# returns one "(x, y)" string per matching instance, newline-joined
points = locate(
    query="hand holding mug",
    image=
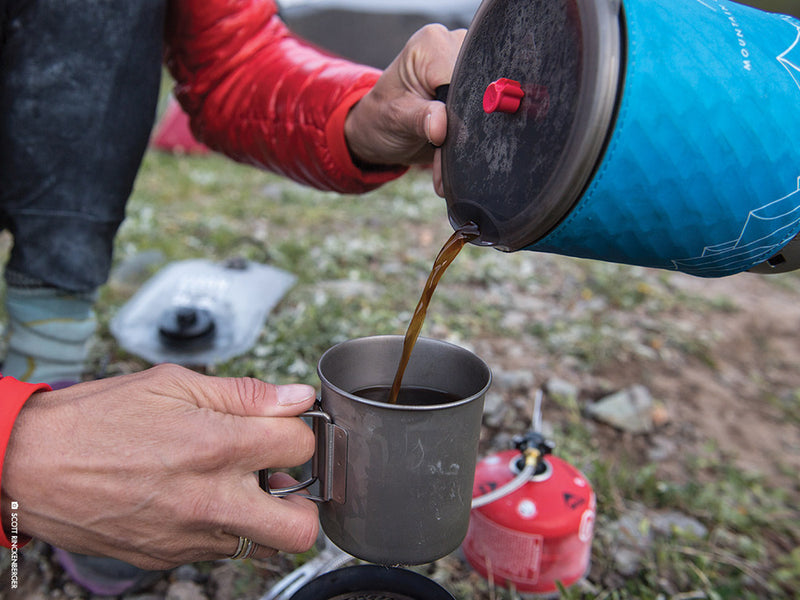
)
(158, 468)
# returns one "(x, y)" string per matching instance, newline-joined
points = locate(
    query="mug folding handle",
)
(328, 465)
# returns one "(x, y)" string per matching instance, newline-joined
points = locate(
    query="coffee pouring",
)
(660, 133)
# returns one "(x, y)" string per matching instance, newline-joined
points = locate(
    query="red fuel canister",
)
(537, 535)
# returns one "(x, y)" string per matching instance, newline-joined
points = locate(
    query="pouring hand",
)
(158, 468)
(398, 121)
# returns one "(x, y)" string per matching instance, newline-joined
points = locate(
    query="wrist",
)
(357, 146)
(344, 134)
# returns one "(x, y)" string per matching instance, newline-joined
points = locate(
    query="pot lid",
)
(529, 110)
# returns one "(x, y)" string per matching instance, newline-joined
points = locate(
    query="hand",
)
(158, 468)
(398, 121)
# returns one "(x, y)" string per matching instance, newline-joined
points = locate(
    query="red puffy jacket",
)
(264, 97)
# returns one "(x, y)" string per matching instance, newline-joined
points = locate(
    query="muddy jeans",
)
(79, 82)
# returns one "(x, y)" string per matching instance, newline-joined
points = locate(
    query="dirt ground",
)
(722, 397)
(756, 347)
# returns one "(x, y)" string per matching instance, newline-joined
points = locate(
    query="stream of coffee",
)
(446, 256)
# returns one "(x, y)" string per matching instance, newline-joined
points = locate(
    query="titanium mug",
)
(395, 480)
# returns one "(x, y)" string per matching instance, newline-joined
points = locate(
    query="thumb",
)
(242, 396)
(251, 397)
(436, 123)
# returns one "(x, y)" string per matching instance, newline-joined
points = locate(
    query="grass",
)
(361, 262)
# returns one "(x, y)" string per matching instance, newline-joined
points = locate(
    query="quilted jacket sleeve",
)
(13, 394)
(264, 97)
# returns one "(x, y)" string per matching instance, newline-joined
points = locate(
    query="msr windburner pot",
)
(662, 133)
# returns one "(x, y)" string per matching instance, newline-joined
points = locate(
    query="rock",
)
(520, 379)
(502, 441)
(632, 535)
(73, 590)
(673, 522)
(494, 409)
(186, 590)
(224, 577)
(662, 448)
(630, 409)
(631, 539)
(660, 415)
(562, 392)
(188, 573)
(627, 561)
(514, 320)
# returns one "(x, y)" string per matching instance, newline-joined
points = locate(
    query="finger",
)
(421, 127)
(436, 123)
(246, 396)
(243, 396)
(433, 51)
(240, 545)
(280, 480)
(427, 64)
(289, 524)
(245, 445)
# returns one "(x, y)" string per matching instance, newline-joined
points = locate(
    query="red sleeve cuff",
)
(13, 394)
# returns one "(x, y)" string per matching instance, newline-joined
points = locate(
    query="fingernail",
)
(428, 118)
(294, 393)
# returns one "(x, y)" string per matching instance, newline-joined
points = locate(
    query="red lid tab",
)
(503, 95)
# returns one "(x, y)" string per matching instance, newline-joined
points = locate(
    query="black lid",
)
(363, 582)
(186, 328)
(517, 174)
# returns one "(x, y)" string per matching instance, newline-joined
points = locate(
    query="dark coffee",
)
(446, 256)
(408, 396)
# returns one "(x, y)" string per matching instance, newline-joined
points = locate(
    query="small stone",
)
(514, 380)
(627, 561)
(660, 415)
(186, 590)
(224, 579)
(494, 409)
(502, 441)
(630, 409)
(188, 573)
(562, 389)
(674, 522)
(631, 538)
(662, 448)
(514, 320)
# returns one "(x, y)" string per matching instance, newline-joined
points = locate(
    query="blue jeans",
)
(79, 82)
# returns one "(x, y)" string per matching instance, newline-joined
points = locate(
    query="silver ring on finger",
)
(245, 548)
(251, 550)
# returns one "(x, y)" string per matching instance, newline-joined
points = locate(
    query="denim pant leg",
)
(79, 82)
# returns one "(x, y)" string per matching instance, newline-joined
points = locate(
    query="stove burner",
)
(372, 582)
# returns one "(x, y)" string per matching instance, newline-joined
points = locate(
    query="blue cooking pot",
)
(661, 133)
